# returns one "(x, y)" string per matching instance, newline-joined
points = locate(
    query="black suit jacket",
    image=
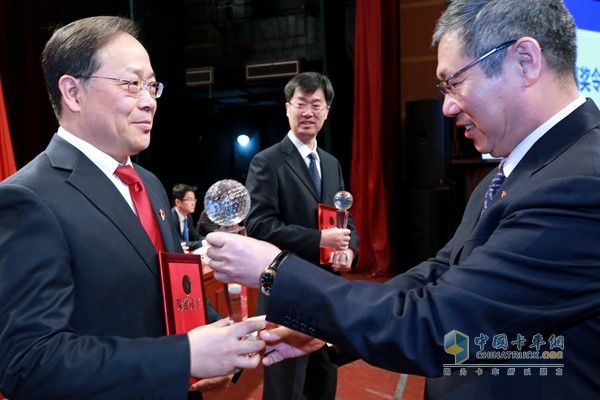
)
(81, 314)
(283, 211)
(195, 238)
(530, 265)
(284, 200)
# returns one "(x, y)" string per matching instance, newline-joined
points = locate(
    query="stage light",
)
(243, 140)
(245, 146)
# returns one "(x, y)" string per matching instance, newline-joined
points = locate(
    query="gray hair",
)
(484, 24)
(73, 49)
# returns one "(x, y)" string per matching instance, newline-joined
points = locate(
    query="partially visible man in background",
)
(184, 205)
(287, 182)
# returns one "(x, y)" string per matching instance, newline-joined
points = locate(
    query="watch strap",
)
(268, 276)
(279, 259)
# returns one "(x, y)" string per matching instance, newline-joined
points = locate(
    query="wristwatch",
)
(268, 276)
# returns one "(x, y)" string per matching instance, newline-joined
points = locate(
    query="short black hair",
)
(309, 82)
(179, 191)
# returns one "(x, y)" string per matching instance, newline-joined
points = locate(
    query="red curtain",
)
(370, 209)
(7, 157)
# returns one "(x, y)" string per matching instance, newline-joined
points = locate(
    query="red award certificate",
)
(183, 292)
(327, 218)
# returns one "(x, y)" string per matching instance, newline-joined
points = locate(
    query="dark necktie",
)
(142, 204)
(493, 189)
(314, 172)
(186, 232)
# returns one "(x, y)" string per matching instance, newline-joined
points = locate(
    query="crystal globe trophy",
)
(342, 200)
(227, 203)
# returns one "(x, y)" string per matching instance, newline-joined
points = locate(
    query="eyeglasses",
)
(446, 87)
(190, 200)
(303, 107)
(137, 87)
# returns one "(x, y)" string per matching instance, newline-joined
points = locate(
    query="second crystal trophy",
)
(342, 201)
(227, 203)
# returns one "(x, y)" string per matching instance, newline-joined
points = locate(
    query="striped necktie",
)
(314, 172)
(493, 189)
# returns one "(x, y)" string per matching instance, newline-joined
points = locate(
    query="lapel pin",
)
(503, 194)
(162, 214)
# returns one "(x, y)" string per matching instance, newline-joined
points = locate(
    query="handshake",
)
(217, 349)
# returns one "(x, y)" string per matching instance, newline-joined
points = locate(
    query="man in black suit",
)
(284, 212)
(81, 309)
(509, 308)
(184, 205)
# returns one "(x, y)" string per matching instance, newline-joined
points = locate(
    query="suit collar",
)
(177, 215)
(559, 138)
(553, 143)
(106, 163)
(517, 154)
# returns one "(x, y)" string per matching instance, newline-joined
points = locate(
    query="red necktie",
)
(142, 204)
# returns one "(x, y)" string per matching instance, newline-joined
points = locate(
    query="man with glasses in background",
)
(184, 205)
(286, 182)
(81, 309)
(509, 308)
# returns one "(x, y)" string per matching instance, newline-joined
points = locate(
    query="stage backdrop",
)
(371, 124)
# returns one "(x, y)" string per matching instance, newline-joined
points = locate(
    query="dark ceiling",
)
(226, 35)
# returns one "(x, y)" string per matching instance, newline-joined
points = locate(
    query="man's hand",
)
(342, 261)
(239, 259)
(211, 384)
(335, 238)
(284, 343)
(217, 349)
(185, 247)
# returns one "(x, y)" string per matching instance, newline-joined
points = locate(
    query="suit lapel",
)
(176, 221)
(160, 209)
(470, 217)
(329, 169)
(294, 160)
(98, 189)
